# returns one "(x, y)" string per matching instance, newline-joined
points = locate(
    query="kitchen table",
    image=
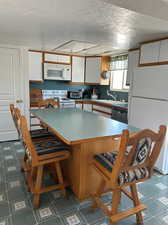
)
(87, 133)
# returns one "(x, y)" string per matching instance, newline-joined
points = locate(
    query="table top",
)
(75, 126)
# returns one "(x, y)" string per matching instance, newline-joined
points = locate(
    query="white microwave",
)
(57, 72)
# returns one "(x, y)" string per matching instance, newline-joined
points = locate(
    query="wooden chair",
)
(12, 110)
(133, 163)
(39, 158)
(38, 133)
(49, 103)
(38, 138)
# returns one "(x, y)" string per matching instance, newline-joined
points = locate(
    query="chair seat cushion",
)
(107, 160)
(50, 146)
(40, 133)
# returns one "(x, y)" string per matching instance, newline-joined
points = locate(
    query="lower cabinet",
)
(109, 112)
(119, 115)
(87, 107)
(104, 111)
(79, 106)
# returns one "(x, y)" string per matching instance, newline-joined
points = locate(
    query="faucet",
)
(111, 95)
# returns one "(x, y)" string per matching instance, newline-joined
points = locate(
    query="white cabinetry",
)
(133, 61)
(57, 58)
(87, 107)
(35, 66)
(93, 70)
(150, 52)
(79, 106)
(163, 57)
(103, 111)
(78, 69)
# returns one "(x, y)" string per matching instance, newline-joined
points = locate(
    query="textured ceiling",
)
(42, 24)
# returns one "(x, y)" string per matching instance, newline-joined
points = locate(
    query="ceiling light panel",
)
(98, 50)
(74, 46)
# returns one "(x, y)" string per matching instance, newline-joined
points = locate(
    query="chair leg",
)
(98, 193)
(136, 201)
(38, 184)
(116, 198)
(60, 178)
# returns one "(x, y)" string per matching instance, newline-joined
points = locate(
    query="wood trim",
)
(93, 56)
(72, 82)
(52, 62)
(92, 83)
(133, 49)
(98, 110)
(36, 81)
(105, 66)
(155, 40)
(153, 64)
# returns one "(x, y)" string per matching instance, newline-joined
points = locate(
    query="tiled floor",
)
(16, 207)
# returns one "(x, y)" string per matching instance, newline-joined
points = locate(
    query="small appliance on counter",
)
(61, 95)
(75, 94)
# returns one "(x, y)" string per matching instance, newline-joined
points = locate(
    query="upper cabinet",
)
(150, 53)
(133, 61)
(78, 69)
(154, 53)
(84, 69)
(163, 56)
(57, 58)
(93, 70)
(35, 66)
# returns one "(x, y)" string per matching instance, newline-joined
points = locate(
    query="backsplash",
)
(62, 85)
(102, 90)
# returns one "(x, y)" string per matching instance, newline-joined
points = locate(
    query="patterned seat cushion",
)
(50, 146)
(108, 160)
(40, 133)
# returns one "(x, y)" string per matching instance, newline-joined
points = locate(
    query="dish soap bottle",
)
(94, 94)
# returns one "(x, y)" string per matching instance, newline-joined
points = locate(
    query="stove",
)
(61, 95)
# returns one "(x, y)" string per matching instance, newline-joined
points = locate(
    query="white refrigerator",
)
(148, 104)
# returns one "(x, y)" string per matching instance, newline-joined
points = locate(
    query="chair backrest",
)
(137, 156)
(49, 103)
(27, 142)
(17, 120)
(14, 113)
(11, 106)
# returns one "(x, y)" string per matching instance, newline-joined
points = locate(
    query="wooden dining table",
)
(87, 133)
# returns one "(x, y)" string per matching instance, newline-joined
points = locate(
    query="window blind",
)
(119, 62)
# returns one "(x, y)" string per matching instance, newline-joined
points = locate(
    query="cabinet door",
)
(79, 106)
(78, 69)
(35, 66)
(57, 58)
(150, 53)
(103, 111)
(93, 70)
(87, 107)
(163, 51)
(133, 60)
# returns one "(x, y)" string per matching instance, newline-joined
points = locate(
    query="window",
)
(118, 67)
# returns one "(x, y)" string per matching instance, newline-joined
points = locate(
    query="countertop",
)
(105, 102)
(75, 126)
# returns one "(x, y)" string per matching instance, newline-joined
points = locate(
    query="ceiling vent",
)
(74, 46)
